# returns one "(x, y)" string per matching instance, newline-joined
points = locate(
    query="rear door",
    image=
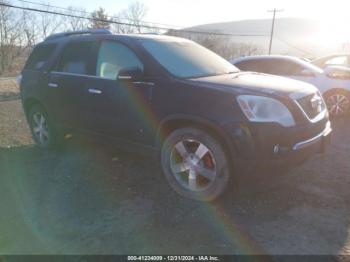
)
(34, 77)
(67, 83)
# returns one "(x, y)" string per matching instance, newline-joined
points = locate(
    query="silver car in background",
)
(333, 81)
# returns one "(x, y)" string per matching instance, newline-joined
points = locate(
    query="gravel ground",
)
(93, 199)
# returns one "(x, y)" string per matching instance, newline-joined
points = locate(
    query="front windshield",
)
(186, 59)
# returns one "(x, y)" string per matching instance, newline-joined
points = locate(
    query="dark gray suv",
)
(197, 113)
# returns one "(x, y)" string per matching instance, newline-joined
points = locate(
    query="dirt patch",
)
(9, 89)
(92, 199)
(14, 130)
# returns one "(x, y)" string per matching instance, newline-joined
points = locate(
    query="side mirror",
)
(130, 74)
(307, 72)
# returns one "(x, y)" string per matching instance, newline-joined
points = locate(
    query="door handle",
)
(53, 85)
(95, 91)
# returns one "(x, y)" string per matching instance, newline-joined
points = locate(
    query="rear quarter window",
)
(39, 57)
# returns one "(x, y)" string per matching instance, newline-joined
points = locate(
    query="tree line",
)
(21, 30)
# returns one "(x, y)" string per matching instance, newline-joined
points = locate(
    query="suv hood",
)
(258, 83)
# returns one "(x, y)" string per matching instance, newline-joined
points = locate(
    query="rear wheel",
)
(338, 102)
(195, 164)
(43, 132)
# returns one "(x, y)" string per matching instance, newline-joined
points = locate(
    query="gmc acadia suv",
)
(195, 111)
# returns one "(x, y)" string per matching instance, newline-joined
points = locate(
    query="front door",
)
(116, 108)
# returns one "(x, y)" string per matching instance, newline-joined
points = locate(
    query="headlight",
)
(265, 109)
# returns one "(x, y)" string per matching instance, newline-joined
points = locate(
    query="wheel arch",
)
(174, 122)
(29, 103)
(335, 89)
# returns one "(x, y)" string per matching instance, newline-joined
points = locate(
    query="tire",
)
(195, 164)
(44, 134)
(338, 102)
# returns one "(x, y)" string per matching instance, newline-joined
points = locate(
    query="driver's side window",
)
(112, 57)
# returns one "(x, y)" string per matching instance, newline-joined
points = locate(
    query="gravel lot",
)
(92, 199)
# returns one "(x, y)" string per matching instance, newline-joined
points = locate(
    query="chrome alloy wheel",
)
(337, 104)
(40, 129)
(193, 165)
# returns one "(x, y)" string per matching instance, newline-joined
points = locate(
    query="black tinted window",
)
(283, 67)
(249, 66)
(271, 66)
(261, 66)
(39, 57)
(75, 58)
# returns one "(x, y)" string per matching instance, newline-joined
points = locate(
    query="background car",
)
(333, 60)
(333, 81)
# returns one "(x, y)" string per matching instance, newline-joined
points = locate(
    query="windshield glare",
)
(186, 59)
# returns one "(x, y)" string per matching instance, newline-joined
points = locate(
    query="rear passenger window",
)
(39, 57)
(75, 58)
(114, 56)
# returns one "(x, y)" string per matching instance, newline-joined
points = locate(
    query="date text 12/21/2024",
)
(173, 258)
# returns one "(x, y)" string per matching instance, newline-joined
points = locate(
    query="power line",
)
(128, 24)
(294, 47)
(143, 25)
(86, 12)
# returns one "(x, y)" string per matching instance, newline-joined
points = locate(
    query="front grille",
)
(312, 105)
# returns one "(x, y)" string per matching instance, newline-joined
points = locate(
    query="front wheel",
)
(195, 164)
(338, 102)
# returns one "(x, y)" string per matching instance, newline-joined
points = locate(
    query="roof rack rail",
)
(82, 32)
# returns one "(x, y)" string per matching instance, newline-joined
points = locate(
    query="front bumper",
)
(302, 150)
(272, 144)
(323, 139)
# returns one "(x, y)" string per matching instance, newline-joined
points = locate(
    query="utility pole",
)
(273, 26)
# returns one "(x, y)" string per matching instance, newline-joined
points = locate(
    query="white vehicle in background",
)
(333, 60)
(333, 81)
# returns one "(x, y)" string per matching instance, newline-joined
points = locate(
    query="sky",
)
(185, 13)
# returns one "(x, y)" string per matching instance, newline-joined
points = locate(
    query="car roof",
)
(297, 60)
(114, 36)
(264, 57)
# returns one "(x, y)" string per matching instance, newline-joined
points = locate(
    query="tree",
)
(50, 23)
(99, 19)
(10, 36)
(30, 29)
(133, 15)
(76, 23)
